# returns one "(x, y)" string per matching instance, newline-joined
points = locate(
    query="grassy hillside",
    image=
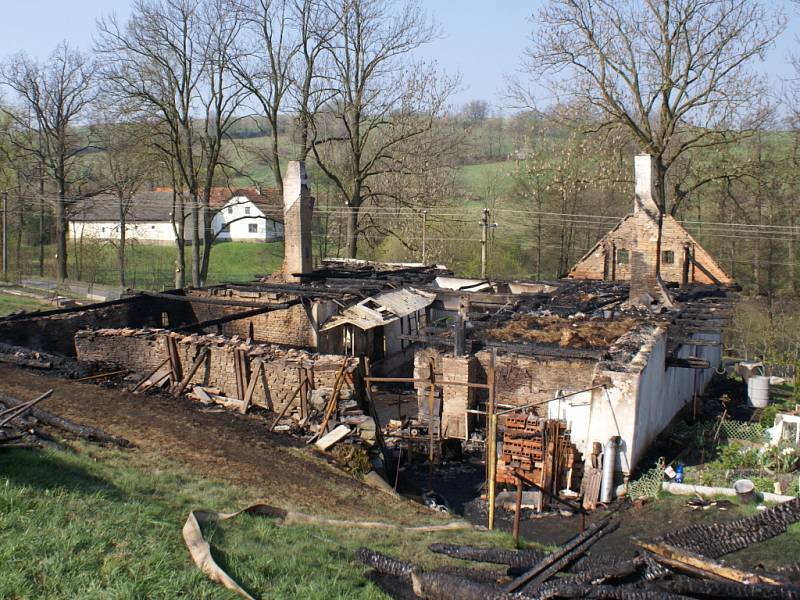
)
(96, 523)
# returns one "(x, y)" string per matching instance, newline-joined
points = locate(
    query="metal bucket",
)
(758, 391)
(745, 491)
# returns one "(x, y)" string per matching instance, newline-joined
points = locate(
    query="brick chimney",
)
(645, 280)
(298, 208)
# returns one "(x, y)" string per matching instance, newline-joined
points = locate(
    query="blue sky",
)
(483, 41)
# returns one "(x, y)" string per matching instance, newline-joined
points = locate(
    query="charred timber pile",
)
(18, 419)
(659, 570)
(718, 539)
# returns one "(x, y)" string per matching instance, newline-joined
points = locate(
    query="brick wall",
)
(519, 380)
(143, 350)
(605, 257)
(54, 333)
(288, 327)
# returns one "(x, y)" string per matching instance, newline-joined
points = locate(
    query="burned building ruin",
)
(598, 351)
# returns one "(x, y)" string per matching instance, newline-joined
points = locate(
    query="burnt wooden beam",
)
(211, 301)
(687, 363)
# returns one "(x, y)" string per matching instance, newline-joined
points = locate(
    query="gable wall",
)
(674, 238)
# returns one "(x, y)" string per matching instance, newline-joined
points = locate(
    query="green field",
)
(10, 303)
(97, 523)
(153, 267)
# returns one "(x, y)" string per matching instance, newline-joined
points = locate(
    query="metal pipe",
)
(609, 467)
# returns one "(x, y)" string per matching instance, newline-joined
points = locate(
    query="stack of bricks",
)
(143, 350)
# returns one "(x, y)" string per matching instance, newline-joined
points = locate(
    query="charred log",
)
(497, 556)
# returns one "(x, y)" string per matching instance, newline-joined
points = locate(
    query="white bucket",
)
(758, 391)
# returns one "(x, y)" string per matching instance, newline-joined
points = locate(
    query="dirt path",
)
(214, 443)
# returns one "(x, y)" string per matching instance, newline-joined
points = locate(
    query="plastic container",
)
(745, 491)
(758, 391)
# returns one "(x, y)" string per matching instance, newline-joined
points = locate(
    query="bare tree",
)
(380, 99)
(171, 63)
(672, 72)
(53, 97)
(315, 26)
(263, 65)
(127, 162)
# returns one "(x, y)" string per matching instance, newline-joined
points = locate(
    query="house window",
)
(103, 229)
(668, 257)
(152, 226)
(230, 210)
(252, 228)
(622, 257)
(247, 210)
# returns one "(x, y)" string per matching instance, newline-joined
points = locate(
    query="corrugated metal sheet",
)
(381, 309)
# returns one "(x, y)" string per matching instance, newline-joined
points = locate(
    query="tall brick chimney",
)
(298, 208)
(645, 279)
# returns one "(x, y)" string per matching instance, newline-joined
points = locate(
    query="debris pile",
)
(679, 565)
(574, 332)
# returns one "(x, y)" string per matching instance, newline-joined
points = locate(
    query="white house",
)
(240, 215)
(250, 216)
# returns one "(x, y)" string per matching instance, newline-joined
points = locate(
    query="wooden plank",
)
(149, 375)
(190, 373)
(333, 437)
(285, 408)
(681, 559)
(251, 385)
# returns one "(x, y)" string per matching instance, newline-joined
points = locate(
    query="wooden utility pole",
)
(485, 225)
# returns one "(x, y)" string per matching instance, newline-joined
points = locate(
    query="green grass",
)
(485, 181)
(98, 523)
(153, 267)
(10, 303)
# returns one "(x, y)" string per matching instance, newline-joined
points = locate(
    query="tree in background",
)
(170, 65)
(674, 73)
(127, 162)
(380, 100)
(53, 99)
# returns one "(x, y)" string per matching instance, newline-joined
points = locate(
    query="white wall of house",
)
(155, 232)
(642, 401)
(251, 225)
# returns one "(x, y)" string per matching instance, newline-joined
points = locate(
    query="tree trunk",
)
(121, 247)
(352, 231)
(61, 233)
(208, 241)
(196, 241)
(178, 222)
(41, 223)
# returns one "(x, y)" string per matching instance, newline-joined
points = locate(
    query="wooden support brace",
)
(190, 373)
